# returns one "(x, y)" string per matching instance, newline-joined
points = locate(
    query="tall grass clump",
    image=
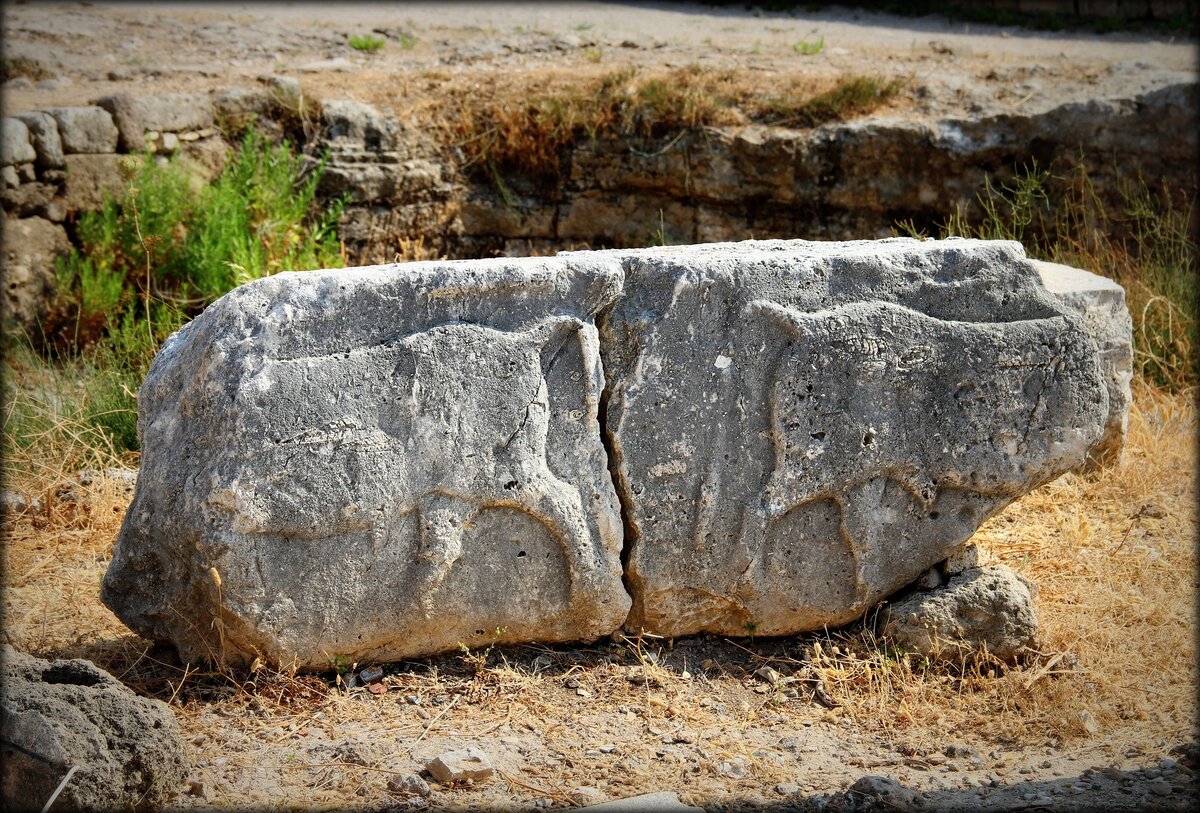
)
(144, 263)
(1144, 240)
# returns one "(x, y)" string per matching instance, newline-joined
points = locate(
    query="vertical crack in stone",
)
(616, 462)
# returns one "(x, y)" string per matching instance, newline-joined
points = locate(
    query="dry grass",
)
(1113, 554)
(523, 122)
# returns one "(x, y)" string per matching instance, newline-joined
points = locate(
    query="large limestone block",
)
(1101, 303)
(377, 463)
(85, 130)
(800, 429)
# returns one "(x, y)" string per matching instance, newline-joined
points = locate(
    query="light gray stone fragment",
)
(43, 131)
(377, 463)
(989, 607)
(1101, 303)
(55, 715)
(176, 112)
(467, 764)
(15, 145)
(85, 129)
(801, 429)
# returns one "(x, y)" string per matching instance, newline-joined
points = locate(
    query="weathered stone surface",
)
(91, 178)
(43, 132)
(66, 713)
(176, 112)
(126, 115)
(15, 145)
(982, 608)
(345, 120)
(373, 464)
(1101, 303)
(165, 112)
(31, 247)
(85, 129)
(800, 429)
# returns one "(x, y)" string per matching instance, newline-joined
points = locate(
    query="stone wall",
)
(408, 198)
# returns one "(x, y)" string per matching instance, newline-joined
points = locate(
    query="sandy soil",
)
(955, 69)
(621, 717)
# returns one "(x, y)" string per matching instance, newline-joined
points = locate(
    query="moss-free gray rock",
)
(980, 609)
(85, 130)
(15, 145)
(375, 464)
(43, 132)
(1101, 304)
(800, 429)
(764, 437)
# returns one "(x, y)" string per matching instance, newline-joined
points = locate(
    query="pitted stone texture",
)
(1101, 303)
(377, 463)
(31, 247)
(85, 130)
(989, 608)
(800, 429)
(58, 714)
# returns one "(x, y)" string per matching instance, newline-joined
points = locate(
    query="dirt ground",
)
(90, 50)
(1103, 717)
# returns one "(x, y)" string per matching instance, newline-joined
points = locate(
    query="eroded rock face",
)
(375, 464)
(56, 715)
(800, 429)
(380, 463)
(980, 609)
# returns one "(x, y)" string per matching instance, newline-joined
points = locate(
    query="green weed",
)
(149, 260)
(366, 42)
(810, 48)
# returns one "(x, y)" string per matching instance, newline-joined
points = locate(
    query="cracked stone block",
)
(378, 463)
(1101, 303)
(801, 429)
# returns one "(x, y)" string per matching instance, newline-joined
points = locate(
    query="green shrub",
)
(146, 262)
